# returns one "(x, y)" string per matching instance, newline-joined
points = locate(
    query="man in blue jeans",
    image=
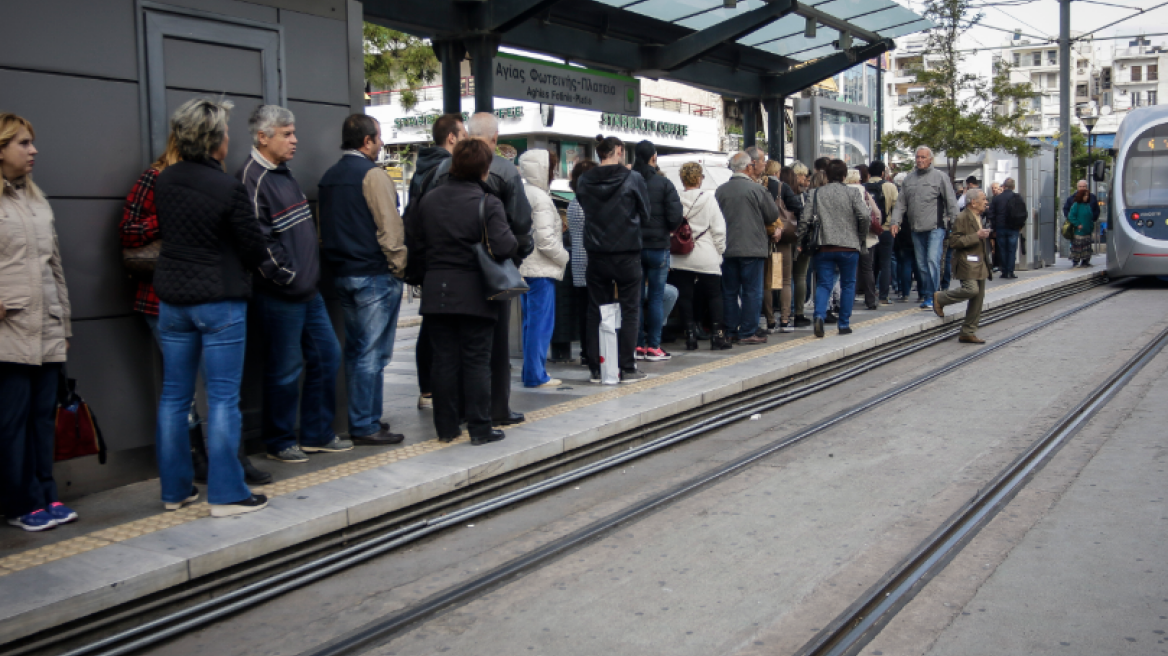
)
(748, 210)
(298, 336)
(927, 206)
(363, 239)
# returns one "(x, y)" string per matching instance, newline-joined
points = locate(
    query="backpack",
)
(1016, 212)
(876, 191)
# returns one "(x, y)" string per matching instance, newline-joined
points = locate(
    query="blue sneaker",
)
(61, 513)
(37, 520)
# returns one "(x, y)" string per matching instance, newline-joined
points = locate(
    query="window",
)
(1036, 59)
(1145, 170)
(1053, 123)
(1052, 80)
(1017, 59)
(1051, 57)
(1151, 98)
(1137, 74)
(1135, 96)
(1153, 72)
(1081, 90)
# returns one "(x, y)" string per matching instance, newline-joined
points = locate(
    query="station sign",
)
(634, 124)
(427, 120)
(534, 80)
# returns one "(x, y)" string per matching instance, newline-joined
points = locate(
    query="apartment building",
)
(901, 86)
(1132, 78)
(1037, 62)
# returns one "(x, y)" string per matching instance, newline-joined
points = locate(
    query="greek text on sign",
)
(635, 124)
(522, 78)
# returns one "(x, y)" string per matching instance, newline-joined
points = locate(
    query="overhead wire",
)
(1138, 13)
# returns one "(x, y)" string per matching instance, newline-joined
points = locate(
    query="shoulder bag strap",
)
(483, 220)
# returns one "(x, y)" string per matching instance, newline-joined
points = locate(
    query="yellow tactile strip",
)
(98, 539)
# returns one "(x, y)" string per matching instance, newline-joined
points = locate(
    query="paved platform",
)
(126, 547)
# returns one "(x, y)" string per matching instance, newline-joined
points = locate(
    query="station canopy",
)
(745, 49)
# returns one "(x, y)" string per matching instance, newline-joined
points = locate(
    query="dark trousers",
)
(867, 279)
(580, 298)
(28, 403)
(461, 347)
(690, 286)
(424, 357)
(882, 264)
(624, 271)
(1008, 247)
(501, 363)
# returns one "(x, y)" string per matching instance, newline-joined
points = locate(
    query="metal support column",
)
(451, 53)
(776, 132)
(1064, 158)
(482, 51)
(879, 149)
(749, 122)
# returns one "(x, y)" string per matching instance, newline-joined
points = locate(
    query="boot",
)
(701, 333)
(199, 453)
(250, 473)
(691, 338)
(719, 341)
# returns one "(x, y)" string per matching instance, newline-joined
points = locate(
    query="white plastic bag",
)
(610, 321)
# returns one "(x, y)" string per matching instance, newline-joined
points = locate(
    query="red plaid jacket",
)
(139, 227)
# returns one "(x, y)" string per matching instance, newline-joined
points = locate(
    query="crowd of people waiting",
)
(223, 240)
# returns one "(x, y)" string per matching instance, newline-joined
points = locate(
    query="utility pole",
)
(1064, 168)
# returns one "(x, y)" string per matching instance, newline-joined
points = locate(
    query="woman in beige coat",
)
(34, 329)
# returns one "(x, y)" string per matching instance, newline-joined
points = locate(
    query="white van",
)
(715, 166)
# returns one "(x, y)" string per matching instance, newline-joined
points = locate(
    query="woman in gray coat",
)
(842, 218)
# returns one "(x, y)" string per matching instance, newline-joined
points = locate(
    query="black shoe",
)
(819, 327)
(251, 504)
(702, 334)
(513, 418)
(493, 436)
(250, 473)
(380, 438)
(802, 322)
(719, 341)
(845, 331)
(691, 339)
(831, 317)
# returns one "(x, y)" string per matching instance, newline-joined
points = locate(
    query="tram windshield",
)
(1145, 170)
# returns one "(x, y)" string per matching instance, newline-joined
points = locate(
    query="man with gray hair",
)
(505, 183)
(749, 210)
(928, 205)
(296, 326)
(971, 266)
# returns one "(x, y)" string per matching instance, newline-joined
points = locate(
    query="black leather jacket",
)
(504, 183)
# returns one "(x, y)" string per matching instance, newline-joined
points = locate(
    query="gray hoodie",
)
(927, 198)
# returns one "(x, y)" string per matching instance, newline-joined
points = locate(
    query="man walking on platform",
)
(929, 205)
(505, 183)
(363, 239)
(970, 266)
(298, 335)
(749, 210)
(448, 130)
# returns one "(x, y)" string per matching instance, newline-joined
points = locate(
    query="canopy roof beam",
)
(842, 25)
(689, 48)
(797, 79)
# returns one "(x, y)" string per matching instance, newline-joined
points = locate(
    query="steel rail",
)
(252, 594)
(850, 632)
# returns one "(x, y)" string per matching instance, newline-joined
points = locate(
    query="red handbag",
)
(681, 241)
(77, 432)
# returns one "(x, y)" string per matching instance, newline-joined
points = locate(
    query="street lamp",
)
(1089, 123)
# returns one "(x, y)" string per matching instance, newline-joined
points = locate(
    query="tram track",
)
(379, 539)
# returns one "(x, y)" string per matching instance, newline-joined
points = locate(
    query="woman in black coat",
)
(459, 318)
(664, 217)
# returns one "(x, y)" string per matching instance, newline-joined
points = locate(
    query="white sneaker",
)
(425, 402)
(555, 382)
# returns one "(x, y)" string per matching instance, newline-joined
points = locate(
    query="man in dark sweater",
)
(296, 325)
(363, 240)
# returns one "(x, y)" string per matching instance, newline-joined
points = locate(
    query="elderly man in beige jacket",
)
(970, 266)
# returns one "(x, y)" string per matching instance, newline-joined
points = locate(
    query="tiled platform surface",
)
(126, 548)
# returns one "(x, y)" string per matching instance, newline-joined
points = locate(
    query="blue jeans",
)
(298, 337)
(193, 419)
(946, 270)
(27, 427)
(668, 300)
(371, 305)
(927, 247)
(828, 266)
(215, 333)
(539, 319)
(906, 264)
(654, 271)
(1008, 249)
(742, 279)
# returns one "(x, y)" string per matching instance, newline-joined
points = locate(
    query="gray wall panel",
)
(87, 131)
(317, 64)
(191, 65)
(114, 362)
(318, 129)
(232, 8)
(92, 254)
(239, 147)
(82, 37)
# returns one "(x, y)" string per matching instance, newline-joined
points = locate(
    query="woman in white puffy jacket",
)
(542, 268)
(700, 271)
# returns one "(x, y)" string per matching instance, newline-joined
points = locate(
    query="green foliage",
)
(395, 60)
(962, 113)
(1081, 162)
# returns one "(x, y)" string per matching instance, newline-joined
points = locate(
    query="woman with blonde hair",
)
(34, 332)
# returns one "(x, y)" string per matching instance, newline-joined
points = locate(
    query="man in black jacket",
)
(296, 325)
(505, 183)
(1006, 234)
(448, 130)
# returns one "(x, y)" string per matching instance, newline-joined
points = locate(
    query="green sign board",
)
(549, 83)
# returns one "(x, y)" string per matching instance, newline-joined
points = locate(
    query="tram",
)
(1137, 214)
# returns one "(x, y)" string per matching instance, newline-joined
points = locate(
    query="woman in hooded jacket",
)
(664, 218)
(699, 272)
(542, 268)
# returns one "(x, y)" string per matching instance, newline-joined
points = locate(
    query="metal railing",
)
(677, 105)
(424, 94)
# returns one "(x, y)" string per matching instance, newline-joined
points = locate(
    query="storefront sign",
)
(549, 83)
(428, 119)
(635, 124)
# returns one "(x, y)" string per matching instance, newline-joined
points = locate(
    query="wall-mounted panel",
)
(114, 362)
(193, 65)
(79, 37)
(87, 131)
(233, 8)
(239, 146)
(318, 68)
(91, 251)
(318, 129)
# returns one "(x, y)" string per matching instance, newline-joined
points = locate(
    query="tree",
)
(396, 60)
(962, 113)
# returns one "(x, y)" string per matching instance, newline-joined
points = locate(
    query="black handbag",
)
(501, 280)
(811, 239)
